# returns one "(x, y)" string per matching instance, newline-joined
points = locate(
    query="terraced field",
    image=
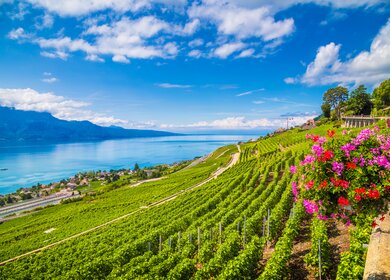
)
(242, 224)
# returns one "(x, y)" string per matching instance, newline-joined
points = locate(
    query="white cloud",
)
(55, 54)
(120, 58)
(250, 92)
(18, 34)
(242, 22)
(78, 8)
(257, 102)
(368, 67)
(195, 53)
(227, 49)
(290, 80)
(45, 21)
(94, 57)
(60, 107)
(241, 123)
(50, 80)
(169, 85)
(246, 53)
(196, 43)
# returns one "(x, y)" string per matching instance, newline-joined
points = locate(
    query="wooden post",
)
(211, 234)
(160, 245)
(178, 240)
(149, 246)
(169, 242)
(190, 238)
(268, 223)
(238, 227)
(244, 231)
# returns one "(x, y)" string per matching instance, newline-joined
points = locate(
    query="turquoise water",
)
(28, 165)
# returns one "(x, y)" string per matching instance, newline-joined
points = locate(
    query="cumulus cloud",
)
(18, 34)
(241, 123)
(195, 53)
(242, 22)
(227, 49)
(78, 8)
(368, 67)
(60, 107)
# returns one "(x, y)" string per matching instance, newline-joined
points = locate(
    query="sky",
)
(188, 66)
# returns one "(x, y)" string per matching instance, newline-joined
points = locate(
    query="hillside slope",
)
(217, 231)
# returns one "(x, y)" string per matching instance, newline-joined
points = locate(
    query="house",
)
(71, 186)
(84, 182)
(280, 130)
(309, 124)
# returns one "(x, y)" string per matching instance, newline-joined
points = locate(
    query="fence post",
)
(220, 233)
(149, 246)
(264, 222)
(211, 234)
(244, 231)
(169, 242)
(238, 227)
(160, 245)
(190, 237)
(178, 240)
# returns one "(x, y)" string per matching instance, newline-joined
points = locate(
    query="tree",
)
(326, 110)
(360, 101)
(136, 167)
(336, 97)
(381, 95)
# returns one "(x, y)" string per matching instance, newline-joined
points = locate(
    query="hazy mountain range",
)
(17, 125)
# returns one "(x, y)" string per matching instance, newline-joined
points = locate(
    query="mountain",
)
(16, 125)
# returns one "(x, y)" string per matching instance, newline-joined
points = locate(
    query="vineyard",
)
(243, 224)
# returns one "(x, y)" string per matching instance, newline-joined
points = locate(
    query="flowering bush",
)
(345, 176)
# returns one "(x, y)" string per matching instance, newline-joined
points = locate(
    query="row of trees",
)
(357, 102)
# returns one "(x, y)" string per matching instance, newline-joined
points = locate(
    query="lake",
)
(28, 165)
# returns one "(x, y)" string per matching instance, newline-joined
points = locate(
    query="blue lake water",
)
(28, 165)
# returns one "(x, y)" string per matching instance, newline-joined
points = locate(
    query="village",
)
(92, 181)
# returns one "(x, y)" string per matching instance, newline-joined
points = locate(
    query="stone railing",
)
(360, 121)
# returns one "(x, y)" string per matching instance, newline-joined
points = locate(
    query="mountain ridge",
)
(18, 125)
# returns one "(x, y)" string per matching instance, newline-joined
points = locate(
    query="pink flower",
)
(311, 206)
(317, 150)
(295, 191)
(322, 217)
(308, 159)
(293, 169)
(337, 167)
(348, 148)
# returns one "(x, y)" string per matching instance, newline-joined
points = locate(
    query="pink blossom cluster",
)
(310, 206)
(337, 167)
(308, 159)
(348, 148)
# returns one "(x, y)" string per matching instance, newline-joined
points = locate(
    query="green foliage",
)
(352, 263)
(359, 102)
(336, 97)
(276, 265)
(326, 108)
(381, 95)
(319, 233)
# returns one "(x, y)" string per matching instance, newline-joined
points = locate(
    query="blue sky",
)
(188, 65)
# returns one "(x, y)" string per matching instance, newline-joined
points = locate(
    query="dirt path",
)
(218, 172)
